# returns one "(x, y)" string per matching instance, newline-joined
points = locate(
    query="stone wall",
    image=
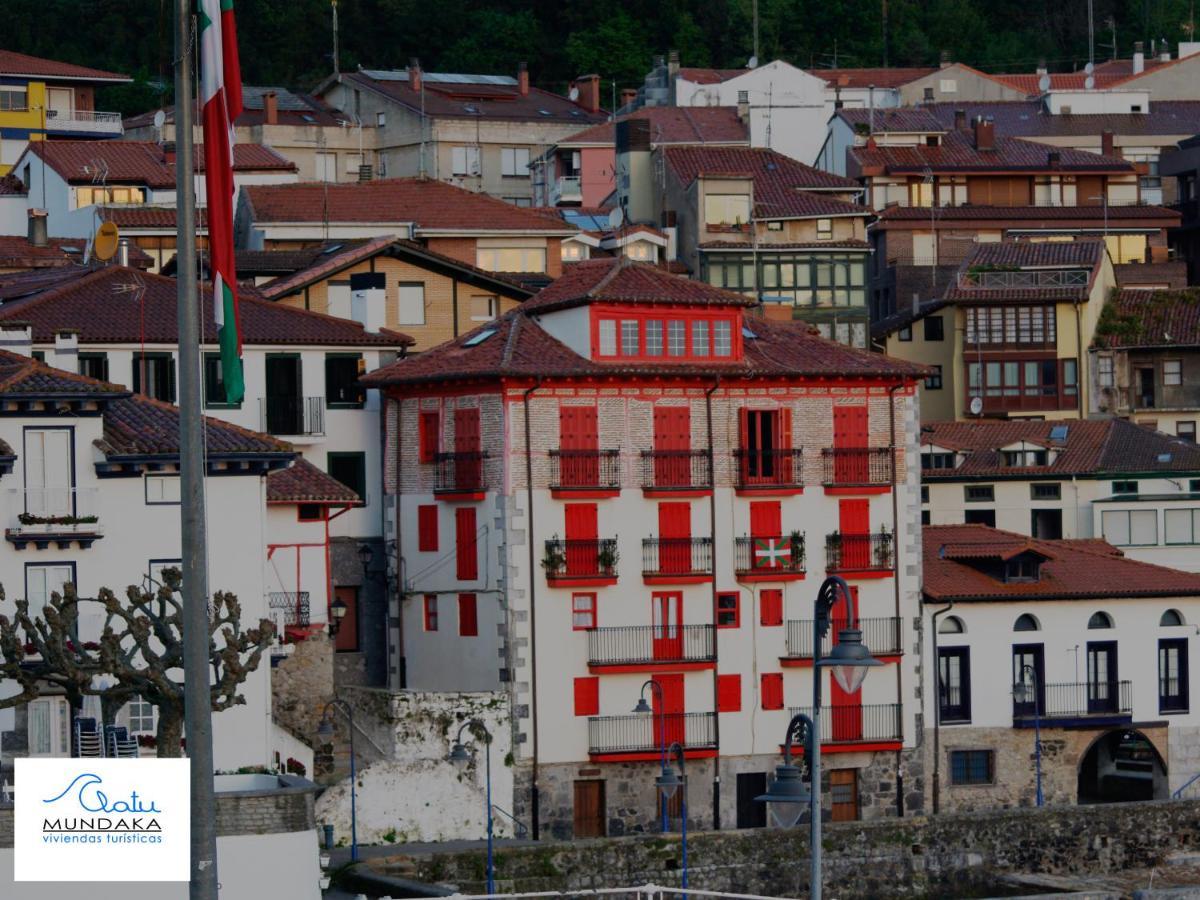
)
(301, 685)
(942, 856)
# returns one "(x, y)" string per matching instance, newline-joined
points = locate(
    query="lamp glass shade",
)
(1021, 692)
(325, 729)
(459, 755)
(668, 782)
(642, 708)
(337, 609)
(787, 796)
(849, 678)
(849, 660)
(364, 554)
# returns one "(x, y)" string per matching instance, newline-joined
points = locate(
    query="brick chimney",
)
(960, 120)
(628, 95)
(271, 108)
(523, 79)
(1107, 147)
(985, 134)
(1139, 58)
(414, 73)
(37, 228)
(673, 63)
(168, 149)
(589, 92)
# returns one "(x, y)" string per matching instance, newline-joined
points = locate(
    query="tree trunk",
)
(170, 730)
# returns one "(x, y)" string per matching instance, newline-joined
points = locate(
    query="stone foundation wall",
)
(301, 685)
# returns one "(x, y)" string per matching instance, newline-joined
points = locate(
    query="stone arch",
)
(1121, 764)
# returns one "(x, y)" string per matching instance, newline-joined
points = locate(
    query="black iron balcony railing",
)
(883, 636)
(458, 472)
(585, 470)
(769, 468)
(851, 723)
(647, 644)
(595, 558)
(776, 555)
(678, 470)
(856, 466)
(677, 556)
(293, 415)
(1077, 700)
(645, 733)
(859, 552)
(289, 608)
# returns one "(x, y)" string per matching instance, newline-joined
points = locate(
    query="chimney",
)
(523, 78)
(628, 96)
(414, 73)
(1139, 58)
(66, 350)
(589, 92)
(37, 228)
(672, 63)
(985, 134)
(1053, 158)
(1041, 68)
(945, 61)
(1107, 148)
(960, 120)
(17, 337)
(168, 149)
(123, 252)
(368, 300)
(271, 108)
(1164, 54)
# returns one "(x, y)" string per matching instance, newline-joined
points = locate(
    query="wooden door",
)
(285, 412)
(468, 467)
(751, 813)
(675, 538)
(1103, 686)
(854, 523)
(579, 446)
(672, 445)
(850, 439)
(347, 636)
(583, 549)
(667, 613)
(589, 809)
(668, 712)
(845, 709)
(843, 788)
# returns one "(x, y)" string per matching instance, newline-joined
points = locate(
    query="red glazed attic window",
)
(636, 334)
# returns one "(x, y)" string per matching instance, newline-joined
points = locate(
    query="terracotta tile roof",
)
(150, 218)
(12, 186)
(880, 77)
(18, 64)
(23, 376)
(302, 482)
(138, 426)
(303, 110)
(1084, 253)
(1030, 215)
(710, 76)
(117, 305)
(16, 252)
(1070, 569)
(906, 119)
(254, 263)
(849, 244)
(141, 162)
(957, 153)
(1029, 118)
(673, 125)
(1092, 448)
(432, 205)
(1144, 318)
(497, 98)
(1030, 83)
(623, 281)
(1123, 68)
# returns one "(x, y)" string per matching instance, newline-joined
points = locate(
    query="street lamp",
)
(325, 733)
(668, 783)
(459, 756)
(849, 659)
(644, 709)
(337, 612)
(787, 795)
(1023, 690)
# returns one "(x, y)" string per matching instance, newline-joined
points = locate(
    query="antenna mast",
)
(336, 69)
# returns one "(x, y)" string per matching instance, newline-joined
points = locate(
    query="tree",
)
(139, 652)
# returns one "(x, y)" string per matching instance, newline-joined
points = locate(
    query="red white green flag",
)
(221, 97)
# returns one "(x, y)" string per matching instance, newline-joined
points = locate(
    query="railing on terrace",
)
(1037, 278)
(595, 558)
(458, 472)
(776, 554)
(857, 466)
(1077, 700)
(293, 415)
(641, 733)
(882, 636)
(676, 470)
(858, 552)
(677, 556)
(289, 608)
(645, 644)
(770, 468)
(851, 723)
(585, 469)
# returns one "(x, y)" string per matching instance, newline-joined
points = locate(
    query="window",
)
(1026, 622)
(43, 580)
(583, 612)
(1124, 487)
(772, 690)
(511, 259)
(13, 99)
(162, 489)
(972, 767)
(1130, 528)
(1011, 325)
(924, 493)
(514, 162)
(429, 438)
(1045, 492)
(979, 493)
(1023, 459)
(729, 609)
(351, 470)
(587, 696)
(431, 612)
(411, 305)
(89, 196)
(722, 338)
(380, 119)
(466, 545)
(726, 210)
(629, 337)
(1186, 430)
(700, 340)
(1100, 620)
(1181, 526)
(920, 193)
(154, 376)
(465, 161)
(572, 251)
(925, 518)
(342, 371)
(952, 625)
(933, 382)
(980, 517)
(824, 229)
(905, 334)
(770, 607)
(729, 693)
(1170, 618)
(483, 309)
(654, 337)
(140, 716)
(1104, 371)
(1172, 675)
(94, 365)
(937, 460)
(1172, 372)
(954, 684)
(468, 616)
(640, 335)
(325, 166)
(934, 329)
(310, 512)
(427, 528)
(1023, 568)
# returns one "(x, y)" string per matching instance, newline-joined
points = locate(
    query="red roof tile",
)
(17, 252)
(1038, 254)
(150, 218)
(1030, 83)
(674, 125)
(1070, 569)
(139, 426)
(620, 280)
(18, 64)
(23, 376)
(906, 119)
(1029, 118)
(303, 110)
(1144, 318)
(302, 482)
(710, 76)
(432, 205)
(849, 244)
(1084, 253)
(879, 77)
(1029, 215)
(141, 162)
(957, 153)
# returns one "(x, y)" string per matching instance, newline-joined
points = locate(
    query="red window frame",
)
(429, 435)
(772, 690)
(770, 607)
(666, 314)
(427, 527)
(729, 693)
(468, 616)
(430, 608)
(587, 609)
(736, 609)
(587, 696)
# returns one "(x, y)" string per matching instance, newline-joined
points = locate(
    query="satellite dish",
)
(752, 62)
(105, 246)
(616, 218)
(1090, 68)
(976, 405)
(160, 118)
(1044, 83)
(574, 95)
(1089, 83)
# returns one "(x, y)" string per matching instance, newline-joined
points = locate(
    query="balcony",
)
(459, 475)
(1106, 702)
(770, 471)
(577, 563)
(1019, 279)
(677, 560)
(777, 558)
(57, 517)
(293, 417)
(84, 121)
(645, 647)
(857, 469)
(567, 189)
(641, 736)
(585, 473)
(290, 613)
(853, 726)
(677, 473)
(883, 637)
(860, 555)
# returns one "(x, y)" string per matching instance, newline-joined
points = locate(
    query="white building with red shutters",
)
(633, 477)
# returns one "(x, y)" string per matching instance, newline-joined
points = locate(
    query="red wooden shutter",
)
(766, 519)
(587, 696)
(770, 606)
(428, 438)
(854, 522)
(465, 545)
(772, 690)
(583, 547)
(672, 441)
(579, 441)
(850, 439)
(427, 527)
(785, 428)
(671, 709)
(729, 693)
(675, 537)
(746, 462)
(468, 616)
(468, 468)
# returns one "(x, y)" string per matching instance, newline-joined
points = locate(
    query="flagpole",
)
(197, 700)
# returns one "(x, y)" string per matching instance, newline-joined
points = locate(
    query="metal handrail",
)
(522, 828)
(1187, 784)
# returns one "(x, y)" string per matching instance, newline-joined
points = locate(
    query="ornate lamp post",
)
(1023, 690)
(644, 709)
(325, 733)
(459, 756)
(668, 783)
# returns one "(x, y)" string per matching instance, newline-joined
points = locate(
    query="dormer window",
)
(1017, 459)
(937, 460)
(1023, 568)
(654, 335)
(726, 210)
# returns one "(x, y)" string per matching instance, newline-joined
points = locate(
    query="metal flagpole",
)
(197, 701)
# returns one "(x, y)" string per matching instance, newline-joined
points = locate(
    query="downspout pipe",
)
(401, 666)
(937, 711)
(896, 570)
(533, 703)
(712, 525)
(1079, 384)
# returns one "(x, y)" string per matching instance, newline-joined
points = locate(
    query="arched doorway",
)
(1122, 765)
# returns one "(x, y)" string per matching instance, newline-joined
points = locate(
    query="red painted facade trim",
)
(649, 668)
(676, 579)
(805, 662)
(863, 574)
(677, 492)
(750, 578)
(584, 493)
(460, 496)
(652, 756)
(849, 490)
(769, 490)
(581, 581)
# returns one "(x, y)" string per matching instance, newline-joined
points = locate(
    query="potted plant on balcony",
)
(608, 556)
(56, 524)
(883, 549)
(797, 545)
(555, 560)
